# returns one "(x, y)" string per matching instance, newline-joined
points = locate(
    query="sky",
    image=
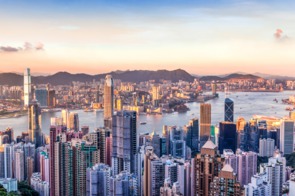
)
(202, 36)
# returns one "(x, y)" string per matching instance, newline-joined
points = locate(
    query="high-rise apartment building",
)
(227, 136)
(206, 166)
(244, 164)
(287, 136)
(108, 101)
(27, 87)
(98, 180)
(19, 165)
(205, 123)
(123, 184)
(226, 183)
(8, 160)
(266, 147)
(259, 186)
(35, 132)
(124, 141)
(228, 110)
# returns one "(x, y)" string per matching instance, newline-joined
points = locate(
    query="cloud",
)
(26, 47)
(280, 36)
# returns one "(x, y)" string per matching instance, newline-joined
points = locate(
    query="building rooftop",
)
(227, 168)
(209, 145)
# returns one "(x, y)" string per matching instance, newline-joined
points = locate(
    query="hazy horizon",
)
(201, 37)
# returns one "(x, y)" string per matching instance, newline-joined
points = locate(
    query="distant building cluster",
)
(235, 157)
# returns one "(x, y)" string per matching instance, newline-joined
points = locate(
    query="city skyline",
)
(97, 37)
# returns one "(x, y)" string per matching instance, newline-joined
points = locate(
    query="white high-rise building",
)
(266, 147)
(275, 170)
(65, 117)
(27, 87)
(259, 186)
(287, 136)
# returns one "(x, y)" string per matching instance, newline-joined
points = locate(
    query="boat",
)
(142, 123)
(88, 110)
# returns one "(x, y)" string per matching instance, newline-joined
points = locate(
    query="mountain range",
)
(65, 78)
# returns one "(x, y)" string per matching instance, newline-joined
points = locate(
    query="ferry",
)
(142, 123)
(88, 110)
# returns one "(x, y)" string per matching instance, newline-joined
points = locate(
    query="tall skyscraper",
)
(228, 110)
(206, 166)
(51, 100)
(74, 121)
(275, 170)
(8, 160)
(19, 165)
(192, 135)
(155, 94)
(108, 101)
(226, 183)
(153, 176)
(205, 123)
(41, 95)
(244, 164)
(65, 117)
(124, 136)
(227, 136)
(287, 136)
(98, 180)
(35, 133)
(214, 88)
(27, 87)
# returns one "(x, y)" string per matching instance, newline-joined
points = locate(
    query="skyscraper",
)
(226, 183)
(27, 87)
(259, 186)
(65, 117)
(228, 110)
(74, 121)
(206, 166)
(35, 133)
(98, 180)
(41, 95)
(124, 144)
(51, 98)
(108, 101)
(192, 135)
(266, 147)
(227, 136)
(287, 136)
(153, 173)
(205, 123)
(19, 163)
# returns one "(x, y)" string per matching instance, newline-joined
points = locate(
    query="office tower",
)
(8, 160)
(184, 177)
(85, 130)
(98, 180)
(124, 141)
(259, 186)
(51, 100)
(74, 121)
(2, 163)
(244, 164)
(19, 165)
(153, 175)
(108, 101)
(228, 110)
(119, 104)
(27, 87)
(287, 136)
(292, 115)
(41, 96)
(42, 187)
(55, 121)
(241, 123)
(205, 123)
(226, 183)
(227, 136)
(214, 88)
(177, 142)
(156, 143)
(155, 95)
(35, 133)
(139, 168)
(65, 117)
(266, 147)
(206, 165)
(85, 155)
(252, 143)
(123, 184)
(192, 135)
(275, 170)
